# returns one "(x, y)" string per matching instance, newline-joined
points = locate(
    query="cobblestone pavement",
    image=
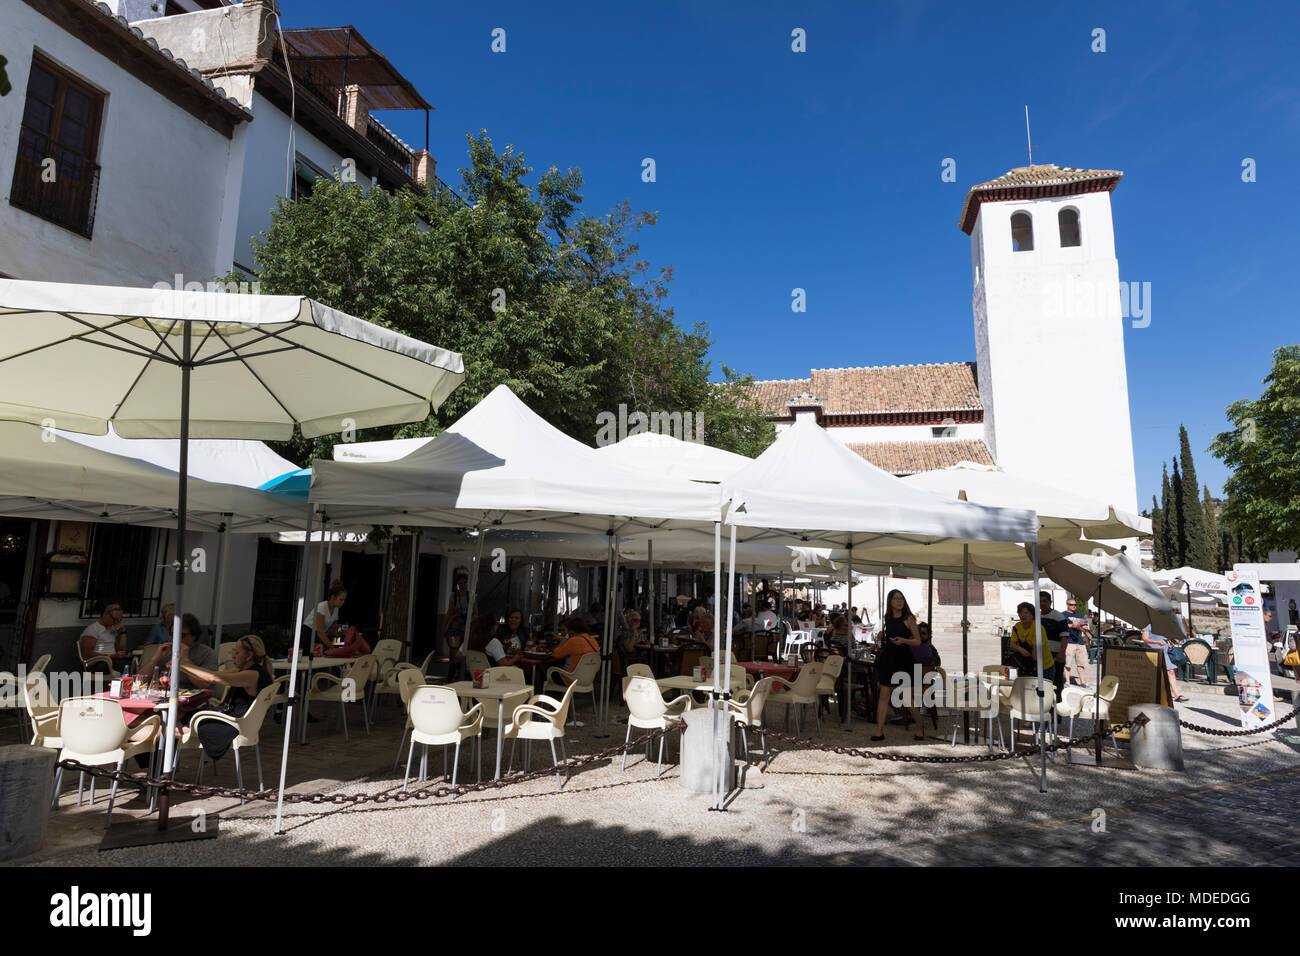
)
(807, 807)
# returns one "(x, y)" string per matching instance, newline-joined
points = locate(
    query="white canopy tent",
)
(663, 454)
(808, 487)
(501, 466)
(1056, 508)
(205, 365)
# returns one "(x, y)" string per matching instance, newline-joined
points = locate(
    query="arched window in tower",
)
(1068, 221)
(1022, 232)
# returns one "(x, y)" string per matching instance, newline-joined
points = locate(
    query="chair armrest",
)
(684, 700)
(559, 670)
(781, 680)
(473, 714)
(205, 716)
(135, 735)
(530, 709)
(543, 699)
(324, 676)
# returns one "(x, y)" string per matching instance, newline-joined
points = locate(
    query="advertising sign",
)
(1250, 649)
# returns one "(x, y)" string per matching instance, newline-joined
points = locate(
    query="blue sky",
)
(821, 170)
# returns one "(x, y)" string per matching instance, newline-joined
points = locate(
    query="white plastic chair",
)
(802, 691)
(436, 718)
(348, 689)
(408, 681)
(95, 733)
(1024, 704)
(542, 718)
(387, 653)
(475, 661)
(832, 667)
(973, 694)
(97, 659)
(1076, 702)
(42, 713)
(748, 707)
(226, 654)
(506, 674)
(247, 731)
(636, 670)
(583, 676)
(648, 711)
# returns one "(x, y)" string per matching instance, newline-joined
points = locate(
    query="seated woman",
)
(1023, 641)
(925, 652)
(506, 646)
(248, 675)
(575, 645)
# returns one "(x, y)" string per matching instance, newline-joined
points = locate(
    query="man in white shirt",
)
(105, 636)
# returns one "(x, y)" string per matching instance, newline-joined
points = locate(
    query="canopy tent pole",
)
(723, 680)
(717, 655)
(611, 554)
(753, 602)
(613, 602)
(848, 649)
(1096, 687)
(219, 589)
(929, 606)
(650, 574)
(293, 669)
(1038, 642)
(410, 596)
(472, 597)
(965, 627)
(182, 502)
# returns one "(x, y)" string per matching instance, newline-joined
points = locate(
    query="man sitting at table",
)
(578, 643)
(200, 655)
(105, 636)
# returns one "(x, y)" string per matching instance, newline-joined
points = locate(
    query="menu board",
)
(1250, 649)
(1141, 680)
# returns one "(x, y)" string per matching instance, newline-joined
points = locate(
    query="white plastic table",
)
(306, 667)
(499, 692)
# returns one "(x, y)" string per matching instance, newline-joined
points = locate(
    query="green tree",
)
(1263, 452)
(1179, 556)
(1198, 553)
(1212, 533)
(1168, 522)
(537, 295)
(1157, 532)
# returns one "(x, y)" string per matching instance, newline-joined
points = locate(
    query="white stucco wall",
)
(263, 182)
(162, 183)
(1050, 348)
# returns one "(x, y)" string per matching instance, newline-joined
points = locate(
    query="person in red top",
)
(577, 643)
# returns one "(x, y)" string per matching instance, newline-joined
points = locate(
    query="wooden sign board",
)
(1141, 680)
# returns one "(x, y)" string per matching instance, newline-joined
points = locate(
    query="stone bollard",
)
(26, 776)
(1157, 745)
(698, 750)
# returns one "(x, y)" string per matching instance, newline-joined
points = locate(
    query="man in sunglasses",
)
(1075, 638)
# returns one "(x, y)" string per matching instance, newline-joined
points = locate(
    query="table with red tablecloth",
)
(761, 669)
(133, 708)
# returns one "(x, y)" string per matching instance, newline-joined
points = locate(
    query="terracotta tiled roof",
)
(883, 388)
(1026, 182)
(909, 457)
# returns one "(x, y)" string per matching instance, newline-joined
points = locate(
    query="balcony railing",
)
(69, 201)
(389, 145)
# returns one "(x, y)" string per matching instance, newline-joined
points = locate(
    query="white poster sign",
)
(1250, 649)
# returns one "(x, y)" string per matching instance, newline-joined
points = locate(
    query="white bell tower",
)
(1049, 335)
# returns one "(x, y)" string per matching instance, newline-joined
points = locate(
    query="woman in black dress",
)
(896, 640)
(247, 676)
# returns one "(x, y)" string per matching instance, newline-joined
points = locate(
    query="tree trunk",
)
(399, 587)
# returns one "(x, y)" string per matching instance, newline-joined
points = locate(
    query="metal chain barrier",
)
(808, 743)
(342, 799)
(1217, 732)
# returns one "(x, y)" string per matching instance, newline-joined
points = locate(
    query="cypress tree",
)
(1212, 533)
(1179, 557)
(1198, 552)
(1157, 534)
(1168, 551)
